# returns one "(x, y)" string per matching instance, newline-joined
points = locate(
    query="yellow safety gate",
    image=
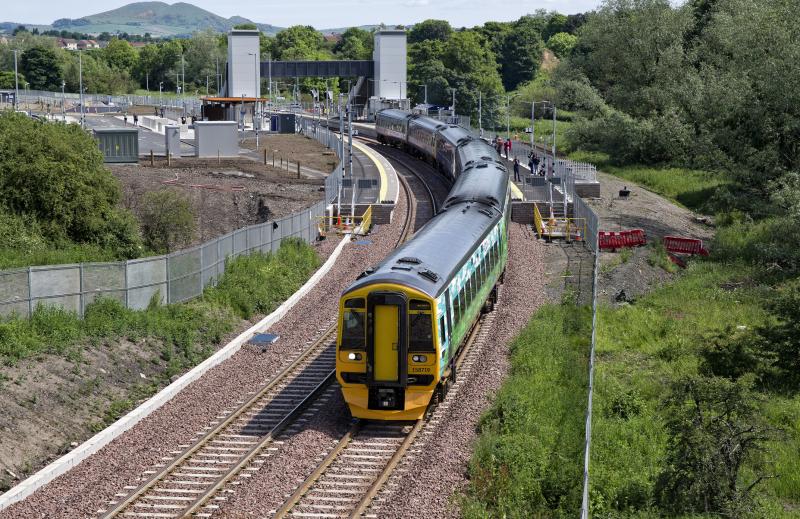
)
(568, 228)
(359, 225)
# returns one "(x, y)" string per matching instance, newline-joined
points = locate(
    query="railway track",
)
(358, 468)
(188, 483)
(191, 481)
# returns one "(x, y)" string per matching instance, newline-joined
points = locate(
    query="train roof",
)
(484, 182)
(427, 123)
(455, 134)
(428, 262)
(394, 113)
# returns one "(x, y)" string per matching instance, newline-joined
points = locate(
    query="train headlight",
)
(353, 356)
(419, 358)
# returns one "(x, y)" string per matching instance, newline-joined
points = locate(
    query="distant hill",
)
(157, 18)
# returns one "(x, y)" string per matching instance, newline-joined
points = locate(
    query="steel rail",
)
(214, 432)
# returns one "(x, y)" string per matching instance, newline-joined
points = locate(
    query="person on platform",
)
(516, 170)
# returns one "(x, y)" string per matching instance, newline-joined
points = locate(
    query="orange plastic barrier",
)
(613, 240)
(678, 245)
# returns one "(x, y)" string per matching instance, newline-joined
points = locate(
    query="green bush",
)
(256, 284)
(167, 220)
(54, 174)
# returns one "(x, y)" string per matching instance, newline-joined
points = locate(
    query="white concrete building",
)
(391, 81)
(244, 64)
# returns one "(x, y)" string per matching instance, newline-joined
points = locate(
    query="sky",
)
(319, 13)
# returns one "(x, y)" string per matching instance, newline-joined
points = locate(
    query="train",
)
(402, 322)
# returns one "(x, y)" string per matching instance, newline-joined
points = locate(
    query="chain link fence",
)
(312, 128)
(170, 278)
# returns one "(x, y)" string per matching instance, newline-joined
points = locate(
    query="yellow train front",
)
(386, 354)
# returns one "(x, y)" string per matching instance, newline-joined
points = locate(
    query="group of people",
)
(502, 145)
(533, 165)
(135, 119)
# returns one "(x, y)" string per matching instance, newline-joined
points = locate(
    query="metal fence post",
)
(126, 284)
(80, 295)
(202, 286)
(30, 292)
(167, 277)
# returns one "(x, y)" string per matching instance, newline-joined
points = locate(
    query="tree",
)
(555, 24)
(633, 53)
(7, 79)
(430, 30)
(562, 44)
(41, 68)
(119, 54)
(55, 174)
(521, 53)
(300, 42)
(714, 431)
(355, 44)
(167, 220)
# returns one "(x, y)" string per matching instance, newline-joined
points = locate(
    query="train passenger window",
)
(353, 331)
(463, 296)
(442, 330)
(476, 282)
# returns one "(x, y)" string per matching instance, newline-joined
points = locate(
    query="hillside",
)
(156, 18)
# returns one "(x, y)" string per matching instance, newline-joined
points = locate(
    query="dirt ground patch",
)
(295, 148)
(225, 195)
(52, 403)
(624, 278)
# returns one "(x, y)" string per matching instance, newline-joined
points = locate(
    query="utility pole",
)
(206, 85)
(269, 73)
(183, 77)
(63, 101)
(216, 78)
(16, 81)
(341, 156)
(426, 98)
(160, 99)
(80, 82)
(480, 114)
(350, 157)
(453, 106)
(533, 126)
(147, 82)
(508, 117)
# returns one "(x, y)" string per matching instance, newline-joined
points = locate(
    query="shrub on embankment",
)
(56, 191)
(187, 332)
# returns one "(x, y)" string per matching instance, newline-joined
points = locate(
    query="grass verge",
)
(254, 284)
(641, 350)
(528, 460)
(688, 187)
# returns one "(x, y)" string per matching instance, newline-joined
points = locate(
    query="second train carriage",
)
(402, 322)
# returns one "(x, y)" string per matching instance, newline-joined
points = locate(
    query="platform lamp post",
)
(16, 81)
(341, 157)
(63, 101)
(508, 115)
(255, 92)
(453, 106)
(480, 114)
(160, 96)
(80, 83)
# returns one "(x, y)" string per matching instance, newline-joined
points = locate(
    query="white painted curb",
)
(104, 437)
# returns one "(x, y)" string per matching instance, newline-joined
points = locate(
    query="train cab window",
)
(353, 330)
(420, 326)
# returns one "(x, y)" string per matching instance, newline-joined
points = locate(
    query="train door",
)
(387, 342)
(387, 349)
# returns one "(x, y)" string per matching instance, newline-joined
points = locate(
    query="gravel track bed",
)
(301, 452)
(89, 487)
(440, 471)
